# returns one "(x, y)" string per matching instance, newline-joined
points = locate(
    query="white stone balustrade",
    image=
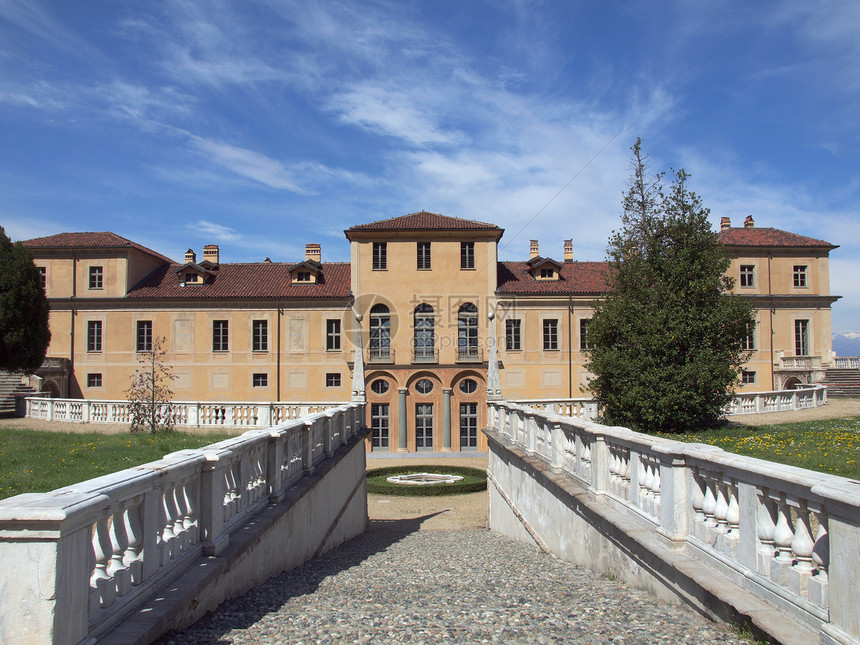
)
(790, 535)
(182, 413)
(84, 556)
(741, 403)
(847, 362)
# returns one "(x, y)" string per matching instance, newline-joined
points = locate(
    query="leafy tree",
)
(150, 394)
(24, 333)
(666, 343)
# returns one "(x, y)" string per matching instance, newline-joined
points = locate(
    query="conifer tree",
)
(667, 342)
(24, 333)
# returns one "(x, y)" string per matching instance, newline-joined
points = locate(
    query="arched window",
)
(467, 332)
(424, 340)
(468, 386)
(380, 333)
(379, 386)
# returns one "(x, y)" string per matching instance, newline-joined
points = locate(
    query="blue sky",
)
(261, 126)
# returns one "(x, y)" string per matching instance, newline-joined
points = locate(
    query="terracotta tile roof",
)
(575, 278)
(754, 236)
(251, 280)
(424, 221)
(101, 240)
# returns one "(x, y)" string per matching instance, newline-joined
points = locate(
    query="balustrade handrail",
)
(847, 362)
(769, 523)
(237, 414)
(141, 527)
(741, 403)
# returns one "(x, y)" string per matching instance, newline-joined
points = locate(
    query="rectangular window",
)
(550, 334)
(43, 277)
(332, 379)
(583, 334)
(144, 335)
(94, 336)
(94, 380)
(260, 380)
(332, 334)
(380, 256)
(260, 336)
(799, 275)
(96, 277)
(801, 338)
(467, 255)
(424, 426)
(747, 275)
(423, 256)
(468, 426)
(546, 273)
(748, 343)
(513, 340)
(747, 376)
(220, 336)
(379, 425)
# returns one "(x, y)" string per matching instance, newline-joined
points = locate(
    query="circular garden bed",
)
(474, 480)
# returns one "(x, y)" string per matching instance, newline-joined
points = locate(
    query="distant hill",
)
(847, 344)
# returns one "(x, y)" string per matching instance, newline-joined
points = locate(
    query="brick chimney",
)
(568, 250)
(749, 222)
(313, 252)
(190, 257)
(210, 253)
(533, 250)
(725, 222)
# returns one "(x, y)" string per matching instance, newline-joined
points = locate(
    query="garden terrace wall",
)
(734, 536)
(78, 561)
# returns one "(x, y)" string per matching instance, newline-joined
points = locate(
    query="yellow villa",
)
(424, 292)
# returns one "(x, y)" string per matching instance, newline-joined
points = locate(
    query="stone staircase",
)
(10, 385)
(842, 382)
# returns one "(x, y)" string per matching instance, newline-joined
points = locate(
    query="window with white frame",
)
(260, 380)
(467, 331)
(748, 343)
(94, 380)
(43, 277)
(467, 255)
(799, 274)
(94, 336)
(144, 336)
(801, 338)
(380, 256)
(260, 336)
(513, 338)
(379, 423)
(96, 277)
(550, 334)
(747, 275)
(332, 379)
(220, 336)
(583, 334)
(747, 376)
(468, 426)
(423, 256)
(332, 334)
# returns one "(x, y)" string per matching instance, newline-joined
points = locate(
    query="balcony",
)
(380, 356)
(799, 363)
(425, 355)
(470, 355)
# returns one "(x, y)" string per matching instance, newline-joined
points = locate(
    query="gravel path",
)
(396, 584)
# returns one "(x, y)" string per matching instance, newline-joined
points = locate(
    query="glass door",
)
(424, 426)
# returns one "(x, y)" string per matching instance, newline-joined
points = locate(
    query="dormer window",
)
(544, 268)
(193, 278)
(303, 276)
(307, 272)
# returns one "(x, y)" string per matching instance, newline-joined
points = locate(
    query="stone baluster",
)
(802, 545)
(179, 524)
(721, 508)
(328, 434)
(171, 538)
(101, 581)
(116, 568)
(818, 584)
(697, 496)
(710, 501)
(655, 486)
(784, 532)
(765, 529)
(733, 513)
(134, 553)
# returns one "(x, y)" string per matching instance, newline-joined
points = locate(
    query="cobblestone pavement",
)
(396, 584)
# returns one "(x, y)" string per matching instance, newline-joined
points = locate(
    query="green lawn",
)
(37, 461)
(828, 446)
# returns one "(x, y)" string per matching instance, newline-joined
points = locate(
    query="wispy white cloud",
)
(218, 231)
